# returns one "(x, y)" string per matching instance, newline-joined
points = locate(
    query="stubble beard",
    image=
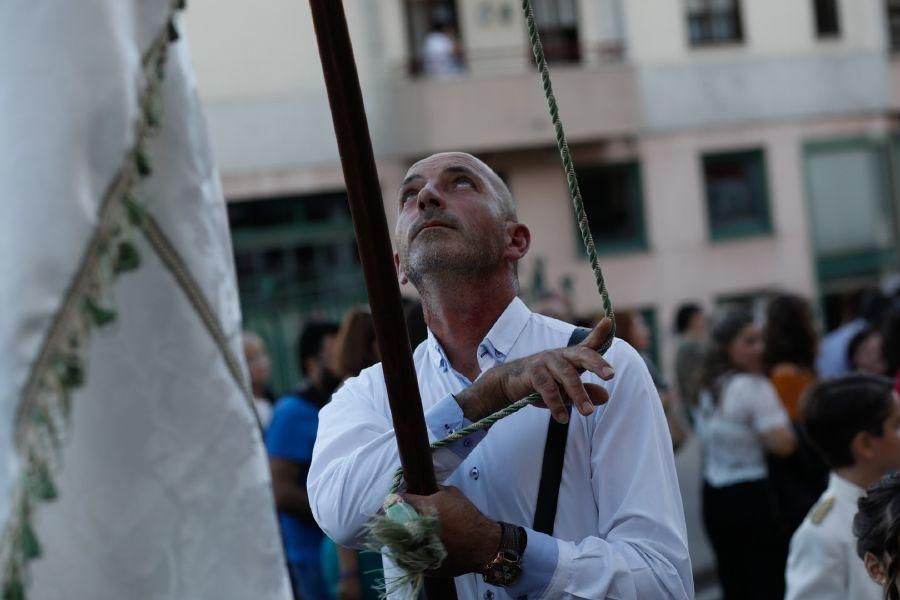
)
(429, 263)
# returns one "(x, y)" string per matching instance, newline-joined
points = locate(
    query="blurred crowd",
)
(794, 428)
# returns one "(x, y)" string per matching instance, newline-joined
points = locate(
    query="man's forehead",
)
(444, 160)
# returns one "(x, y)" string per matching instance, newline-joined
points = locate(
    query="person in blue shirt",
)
(289, 443)
(832, 360)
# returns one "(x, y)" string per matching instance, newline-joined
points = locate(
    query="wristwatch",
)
(506, 567)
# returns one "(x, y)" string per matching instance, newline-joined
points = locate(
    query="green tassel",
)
(99, 315)
(142, 162)
(151, 113)
(31, 547)
(71, 373)
(41, 483)
(127, 258)
(46, 489)
(412, 542)
(172, 31)
(180, 5)
(135, 212)
(14, 589)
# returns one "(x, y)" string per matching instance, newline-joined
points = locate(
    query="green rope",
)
(569, 168)
(400, 536)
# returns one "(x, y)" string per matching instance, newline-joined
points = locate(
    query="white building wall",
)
(260, 80)
(657, 31)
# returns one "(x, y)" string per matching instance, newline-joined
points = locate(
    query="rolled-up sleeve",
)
(355, 455)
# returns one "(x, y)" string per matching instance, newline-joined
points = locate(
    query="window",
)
(893, 20)
(851, 217)
(612, 36)
(737, 200)
(714, 22)
(557, 23)
(613, 200)
(296, 259)
(292, 245)
(827, 18)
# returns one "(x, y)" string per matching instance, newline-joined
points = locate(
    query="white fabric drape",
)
(164, 489)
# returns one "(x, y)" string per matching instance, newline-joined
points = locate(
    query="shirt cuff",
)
(446, 417)
(538, 566)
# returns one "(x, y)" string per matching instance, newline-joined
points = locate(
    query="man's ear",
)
(518, 240)
(874, 568)
(401, 276)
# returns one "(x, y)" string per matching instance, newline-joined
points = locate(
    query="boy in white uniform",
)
(854, 422)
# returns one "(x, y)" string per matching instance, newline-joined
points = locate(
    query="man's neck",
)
(461, 314)
(859, 475)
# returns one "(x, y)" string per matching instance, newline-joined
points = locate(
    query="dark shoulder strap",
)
(554, 455)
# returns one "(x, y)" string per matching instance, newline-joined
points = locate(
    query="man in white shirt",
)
(619, 528)
(854, 422)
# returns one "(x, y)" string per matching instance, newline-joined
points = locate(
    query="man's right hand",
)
(554, 374)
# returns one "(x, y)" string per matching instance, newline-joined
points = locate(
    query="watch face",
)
(505, 569)
(509, 555)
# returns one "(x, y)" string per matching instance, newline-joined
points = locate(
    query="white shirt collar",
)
(844, 489)
(498, 342)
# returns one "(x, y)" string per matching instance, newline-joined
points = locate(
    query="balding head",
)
(499, 188)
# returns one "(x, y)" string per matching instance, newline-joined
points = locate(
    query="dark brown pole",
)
(374, 243)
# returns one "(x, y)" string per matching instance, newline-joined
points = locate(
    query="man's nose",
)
(429, 198)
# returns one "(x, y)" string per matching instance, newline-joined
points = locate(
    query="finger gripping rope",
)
(413, 541)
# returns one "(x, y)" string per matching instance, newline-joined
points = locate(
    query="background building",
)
(726, 149)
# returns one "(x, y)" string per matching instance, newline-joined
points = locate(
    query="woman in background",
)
(864, 352)
(353, 575)
(790, 349)
(789, 358)
(739, 420)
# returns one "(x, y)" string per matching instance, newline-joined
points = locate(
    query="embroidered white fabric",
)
(164, 491)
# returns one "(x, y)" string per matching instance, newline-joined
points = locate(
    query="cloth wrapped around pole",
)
(123, 383)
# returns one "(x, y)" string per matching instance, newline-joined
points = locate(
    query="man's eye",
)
(464, 181)
(407, 195)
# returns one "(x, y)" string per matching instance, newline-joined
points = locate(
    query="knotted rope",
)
(413, 541)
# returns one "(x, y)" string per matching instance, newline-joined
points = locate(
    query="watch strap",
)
(506, 567)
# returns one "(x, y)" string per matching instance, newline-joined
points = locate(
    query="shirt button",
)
(467, 443)
(488, 595)
(474, 473)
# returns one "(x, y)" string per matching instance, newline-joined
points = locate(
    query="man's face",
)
(258, 362)
(450, 219)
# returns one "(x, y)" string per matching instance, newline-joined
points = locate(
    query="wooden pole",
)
(374, 243)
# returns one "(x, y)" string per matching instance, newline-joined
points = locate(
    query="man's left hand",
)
(471, 539)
